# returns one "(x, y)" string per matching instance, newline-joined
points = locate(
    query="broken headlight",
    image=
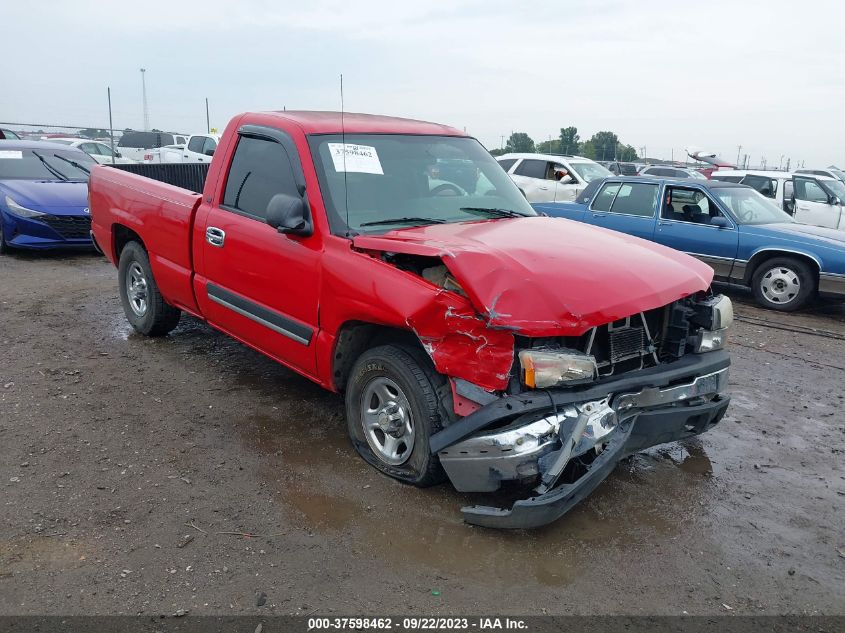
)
(715, 315)
(550, 368)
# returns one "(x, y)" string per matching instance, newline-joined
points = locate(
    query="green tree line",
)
(603, 145)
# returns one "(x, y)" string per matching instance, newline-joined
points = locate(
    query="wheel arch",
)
(355, 337)
(765, 254)
(121, 236)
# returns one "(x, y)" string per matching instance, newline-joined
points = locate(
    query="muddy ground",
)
(132, 468)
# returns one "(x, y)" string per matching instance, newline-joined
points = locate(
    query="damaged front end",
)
(586, 404)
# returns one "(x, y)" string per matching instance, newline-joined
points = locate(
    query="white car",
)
(550, 177)
(811, 199)
(830, 172)
(135, 144)
(199, 149)
(100, 152)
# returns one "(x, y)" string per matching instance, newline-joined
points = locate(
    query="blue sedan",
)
(43, 196)
(743, 236)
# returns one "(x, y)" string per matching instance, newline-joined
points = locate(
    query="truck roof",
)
(327, 122)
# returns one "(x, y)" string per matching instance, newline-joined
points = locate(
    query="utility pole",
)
(503, 142)
(111, 126)
(738, 150)
(207, 118)
(144, 100)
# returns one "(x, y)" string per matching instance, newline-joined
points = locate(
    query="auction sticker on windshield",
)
(358, 158)
(13, 153)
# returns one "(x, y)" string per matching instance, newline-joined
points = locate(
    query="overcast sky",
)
(667, 75)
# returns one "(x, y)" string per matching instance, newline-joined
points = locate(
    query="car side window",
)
(787, 190)
(605, 197)
(531, 168)
(196, 143)
(209, 146)
(260, 169)
(688, 205)
(105, 150)
(766, 186)
(507, 163)
(809, 191)
(635, 199)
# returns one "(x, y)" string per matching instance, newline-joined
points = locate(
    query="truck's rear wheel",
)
(143, 304)
(783, 283)
(392, 410)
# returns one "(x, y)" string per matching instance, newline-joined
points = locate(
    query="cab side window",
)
(260, 169)
(209, 146)
(688, 205)
(635, 199)
(605, 197)
(809, 191)
(507, 163)
(196, 143)
(531, 168)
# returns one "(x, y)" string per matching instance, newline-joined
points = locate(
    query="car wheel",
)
(392, 410)
(143, 304)
(783, 283)
(4, 247)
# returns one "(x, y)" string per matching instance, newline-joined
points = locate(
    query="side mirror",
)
(118, 154)
(719, 221)
(209, 152)
(834, 200)
(287, 214)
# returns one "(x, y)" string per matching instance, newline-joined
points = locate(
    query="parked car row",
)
(198, 149)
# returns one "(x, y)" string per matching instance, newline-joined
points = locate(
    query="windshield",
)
(590, 171)
(44, 164)
(749, 207)
(696, 175)
(394, 181)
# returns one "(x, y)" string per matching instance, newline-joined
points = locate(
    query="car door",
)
(531, 176)
(628, 207)
(688, 223)
(253, 282)
(565, 188)
(812, 205)
(193, 150)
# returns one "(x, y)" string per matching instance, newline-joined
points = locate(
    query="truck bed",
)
(149, 201)
(186, 176)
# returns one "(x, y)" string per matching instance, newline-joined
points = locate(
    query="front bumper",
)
(607, 422)
(49, 231)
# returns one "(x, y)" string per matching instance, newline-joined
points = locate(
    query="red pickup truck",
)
(395, 262)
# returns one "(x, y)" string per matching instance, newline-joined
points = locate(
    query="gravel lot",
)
(189, 472)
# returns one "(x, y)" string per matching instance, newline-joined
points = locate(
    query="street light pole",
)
(144, 99)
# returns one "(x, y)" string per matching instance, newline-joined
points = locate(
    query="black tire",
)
(157, 318)
(412, 372)
(4, 248)
(775, 278)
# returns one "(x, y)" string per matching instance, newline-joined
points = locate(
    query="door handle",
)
(543, 188)
(215, 236)
(598, 215)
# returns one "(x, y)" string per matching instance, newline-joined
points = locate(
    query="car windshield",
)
(749, 207)
(697, 175)
(590, 171)
(44, 164)
(379, 182)
(838, 173)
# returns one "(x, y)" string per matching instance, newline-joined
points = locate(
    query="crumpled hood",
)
(55, 196)
(549, 276)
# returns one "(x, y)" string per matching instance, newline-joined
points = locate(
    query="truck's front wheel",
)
(143, 304)
(392, 410)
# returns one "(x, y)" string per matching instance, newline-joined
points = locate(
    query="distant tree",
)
(605, 145)
(497, 152)
(91, 132)
(568, 143)
(520, 142)
(628, 153)
(549, 147)
(587, 149)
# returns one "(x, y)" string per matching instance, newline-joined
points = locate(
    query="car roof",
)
(713, 184)
(772, 173)
(328, 122)
(549, 157)
(15, 144)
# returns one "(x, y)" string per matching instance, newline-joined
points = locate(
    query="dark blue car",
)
(743, 236)
(43, 196)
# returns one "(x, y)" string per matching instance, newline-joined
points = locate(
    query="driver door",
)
(566, 189)
(532, 176)
(258, 285)
(812, 205)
